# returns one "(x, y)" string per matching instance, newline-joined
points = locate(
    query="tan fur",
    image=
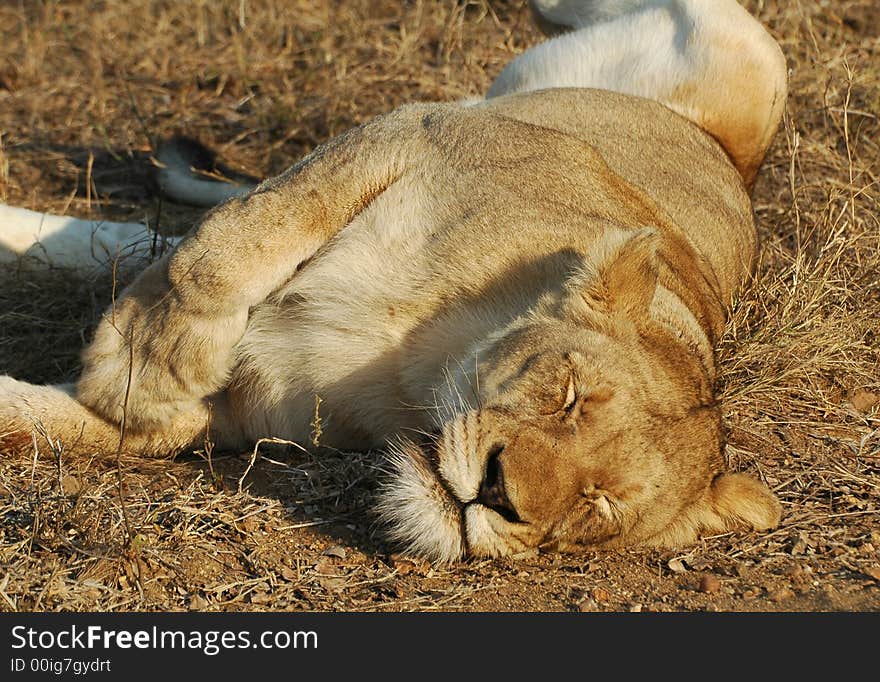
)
(519, 298)
(51, 418)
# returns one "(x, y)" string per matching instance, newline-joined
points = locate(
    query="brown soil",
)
(86, 90)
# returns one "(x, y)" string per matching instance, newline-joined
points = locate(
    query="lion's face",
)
(586, 430)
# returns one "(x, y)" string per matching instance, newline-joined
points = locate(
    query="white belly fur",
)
(333, 326)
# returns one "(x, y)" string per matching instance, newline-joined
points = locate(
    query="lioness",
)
(517, 298)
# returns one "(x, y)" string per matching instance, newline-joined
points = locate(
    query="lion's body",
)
(519, 296)
(419, 278)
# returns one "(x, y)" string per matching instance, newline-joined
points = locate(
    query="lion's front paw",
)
(28, 411)
(15, 426)
(153, 358)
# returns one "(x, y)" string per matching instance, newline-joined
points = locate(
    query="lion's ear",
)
(621, 277)
(739, 501)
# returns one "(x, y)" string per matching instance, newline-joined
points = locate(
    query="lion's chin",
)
(416, 510)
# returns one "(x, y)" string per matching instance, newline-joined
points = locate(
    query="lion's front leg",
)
(158, 352)
(170, 340)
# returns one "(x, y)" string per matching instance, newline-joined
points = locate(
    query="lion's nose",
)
(492, 492)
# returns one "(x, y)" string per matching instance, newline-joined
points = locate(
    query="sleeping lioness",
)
(516, 298)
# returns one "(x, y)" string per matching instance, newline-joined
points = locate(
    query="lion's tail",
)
(184, 175)
(708, 60)
(49, 416)
(32, 239)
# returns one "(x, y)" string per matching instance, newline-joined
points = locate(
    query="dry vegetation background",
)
(87, 89)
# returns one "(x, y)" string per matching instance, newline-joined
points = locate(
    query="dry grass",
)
(85, 92)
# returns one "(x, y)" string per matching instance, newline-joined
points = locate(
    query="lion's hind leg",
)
(708, 60)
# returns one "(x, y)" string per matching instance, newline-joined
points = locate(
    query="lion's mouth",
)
(438, 506)
(418, 506)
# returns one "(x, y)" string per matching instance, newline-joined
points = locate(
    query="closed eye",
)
(570, 395)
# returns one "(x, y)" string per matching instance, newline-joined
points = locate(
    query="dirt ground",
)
(86, 91)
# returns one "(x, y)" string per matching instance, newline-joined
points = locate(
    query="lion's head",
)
(592, 425)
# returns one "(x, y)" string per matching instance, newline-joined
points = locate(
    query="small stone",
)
(750, 593)
(260, 597)
(336, 551)
(197, 603)
(405, 565)
(57, 589)
(780, 595)
(677, 565)
(70, 485)
(799, 547)
(864, 401)
(588, 605)
(331, 583)
(326, 566)
(250, 524)
(402, 564)
(600, 594)
(709, 583)
(853, 501)
(635, 608)
(138, 542)
(800, 578)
